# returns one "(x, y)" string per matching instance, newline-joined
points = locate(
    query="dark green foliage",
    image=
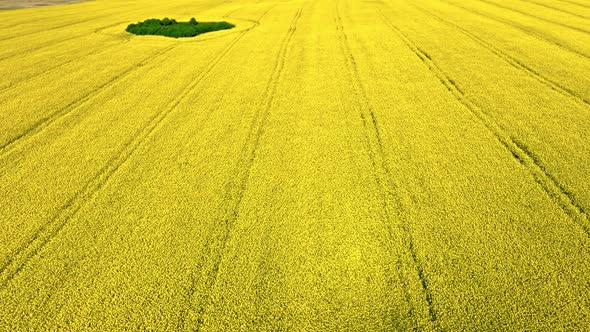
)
(170, 28)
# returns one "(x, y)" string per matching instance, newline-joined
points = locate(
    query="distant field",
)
(17, 4)
(323, 166)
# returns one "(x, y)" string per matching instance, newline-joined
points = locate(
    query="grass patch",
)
(171, 28)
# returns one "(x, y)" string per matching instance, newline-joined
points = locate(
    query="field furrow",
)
(56, 57)
(277, 251)
(555, 36)
(186, 111)
(549, 16)
(31, 24)
(31, 248)
(576, 4)
(23, 76)
(234, 192)
(529, 129)
(555, 85)
(41, 31)
(48, 119)
(548, 182)
(383, 174)
(561, 68)
(439, 165)
(116, 154)
(556, 6)
(43, 39)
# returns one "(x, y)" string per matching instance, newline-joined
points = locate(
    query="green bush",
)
(171, 28)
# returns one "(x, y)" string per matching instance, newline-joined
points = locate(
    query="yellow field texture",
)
(327, 165)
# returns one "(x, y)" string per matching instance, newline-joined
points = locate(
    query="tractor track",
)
(491, 3)
(556, 9)
(392, 202)
(21, 257)
(235, 190)
(56, 27)
(55, 68)
(548, 183)
(576, 3)
(513, 61)
(45, 122)
(53, 42)
(524, 29)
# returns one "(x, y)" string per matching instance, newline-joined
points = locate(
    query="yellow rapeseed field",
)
(326, 165)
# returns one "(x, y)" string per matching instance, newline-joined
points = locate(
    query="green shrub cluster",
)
(171, 28)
